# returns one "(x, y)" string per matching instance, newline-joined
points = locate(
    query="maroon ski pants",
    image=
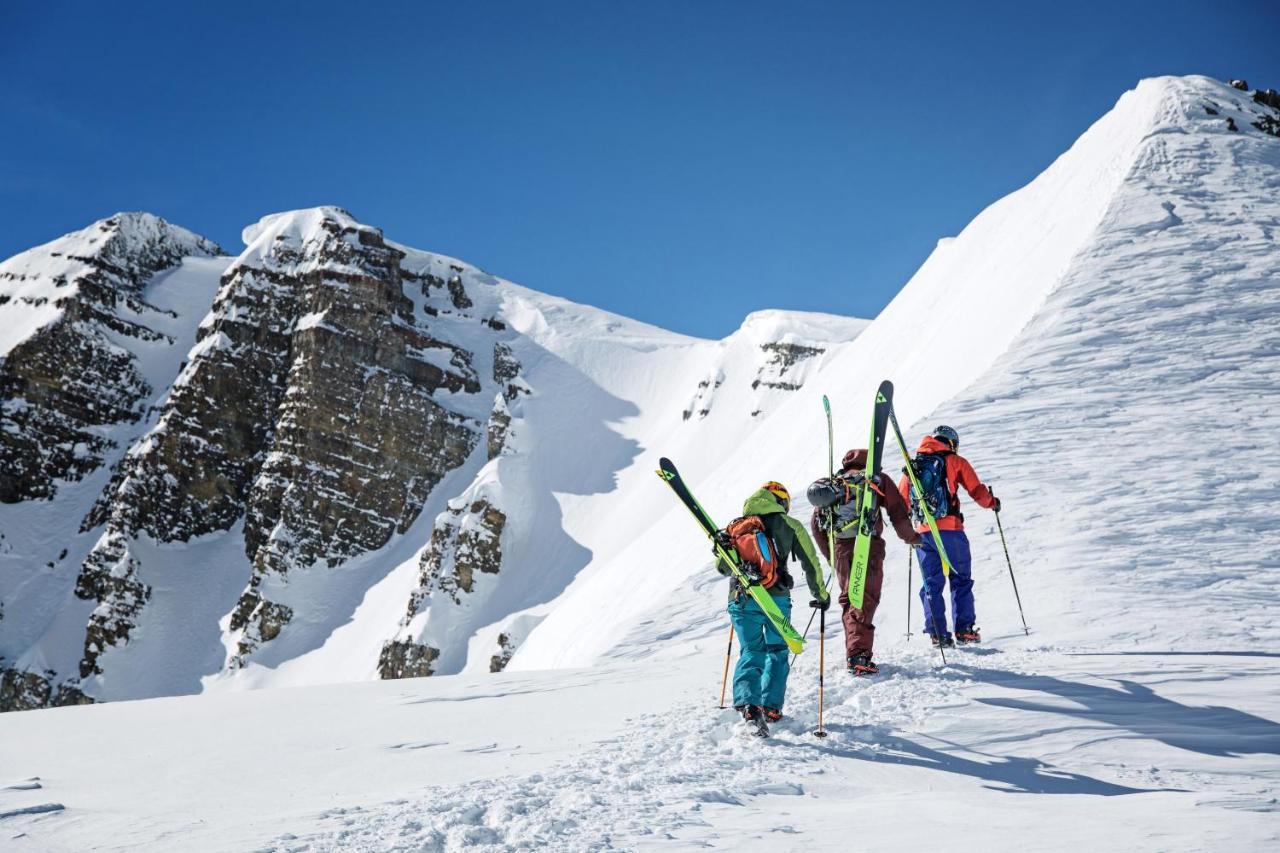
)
(859, 633)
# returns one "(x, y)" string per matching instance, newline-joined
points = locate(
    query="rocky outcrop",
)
(506, 648)
(83, 295)
(405, 659)
(782, 357)
(26, 691)
(466, 543)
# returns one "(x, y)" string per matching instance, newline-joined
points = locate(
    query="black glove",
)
(820, 604)
(722, 539)
(995, 501)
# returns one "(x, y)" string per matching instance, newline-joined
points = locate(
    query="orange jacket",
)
(959, 473)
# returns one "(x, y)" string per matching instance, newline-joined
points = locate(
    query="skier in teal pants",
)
(760, 679)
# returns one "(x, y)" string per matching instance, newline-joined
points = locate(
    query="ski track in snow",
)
(689, 778)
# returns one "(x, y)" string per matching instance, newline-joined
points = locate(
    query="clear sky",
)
(679, 162)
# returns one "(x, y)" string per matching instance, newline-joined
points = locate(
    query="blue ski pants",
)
(760, 677)
(961, 579)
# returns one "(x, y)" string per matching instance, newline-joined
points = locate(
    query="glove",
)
(995, 501)
(722, 540)
(820, 604)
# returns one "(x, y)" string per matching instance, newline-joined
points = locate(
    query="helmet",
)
(780, 492)
(949, 435)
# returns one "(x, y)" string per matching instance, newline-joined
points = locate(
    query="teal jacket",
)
(791, 540)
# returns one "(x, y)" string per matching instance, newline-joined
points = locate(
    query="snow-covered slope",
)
(1105, 340)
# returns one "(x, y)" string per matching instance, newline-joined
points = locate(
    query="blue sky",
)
(679, 162)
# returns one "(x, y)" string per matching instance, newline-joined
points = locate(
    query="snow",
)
(1105, 340)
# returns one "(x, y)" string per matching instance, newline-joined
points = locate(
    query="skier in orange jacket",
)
(942, 471)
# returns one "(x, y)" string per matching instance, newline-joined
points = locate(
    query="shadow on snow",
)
(1139, 710)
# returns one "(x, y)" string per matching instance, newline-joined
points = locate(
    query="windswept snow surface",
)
(1106, 342)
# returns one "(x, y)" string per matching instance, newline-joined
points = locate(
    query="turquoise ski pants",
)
(760, 677)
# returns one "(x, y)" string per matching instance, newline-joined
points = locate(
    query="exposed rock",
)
(497, 429)
(506, 648)
(776, 372)
(1268, 98)
(458, 294)
(403, 659)
(1242, 85)
(702, 398)
(465, 542)
(26, 691)
(1231, 125)
(60, 387)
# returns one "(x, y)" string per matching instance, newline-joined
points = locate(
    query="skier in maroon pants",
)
(834, 502)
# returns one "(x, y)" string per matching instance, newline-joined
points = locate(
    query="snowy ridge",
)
(36, 285)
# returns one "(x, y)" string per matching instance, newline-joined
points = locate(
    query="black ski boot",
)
(968, 636)
(755, 718)
(861, 665)
(947, 641)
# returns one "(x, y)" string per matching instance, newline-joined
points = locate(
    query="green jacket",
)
(791, 540)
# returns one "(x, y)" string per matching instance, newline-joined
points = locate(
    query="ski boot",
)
(754, 716)
(947, 641)
(772, 715)
(755, 721)
(968, 636)
(861, 664)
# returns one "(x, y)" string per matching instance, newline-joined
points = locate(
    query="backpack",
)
(755, 547)
(931, 471)
(838, 498)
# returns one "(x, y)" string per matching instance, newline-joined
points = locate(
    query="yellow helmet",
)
(779, 491)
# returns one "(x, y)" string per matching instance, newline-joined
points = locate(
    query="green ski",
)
(868, 501)
(918, 494)
(667, 471)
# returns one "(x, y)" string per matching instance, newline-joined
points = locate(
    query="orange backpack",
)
(752, 542)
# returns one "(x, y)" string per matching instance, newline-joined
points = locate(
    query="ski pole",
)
(822, 651)
(808, 625)
(909, 553)
(724, 683)
(1005, 545)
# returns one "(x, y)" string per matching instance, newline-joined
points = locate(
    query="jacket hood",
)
(929, 444)
(854, 460)
(762, 502)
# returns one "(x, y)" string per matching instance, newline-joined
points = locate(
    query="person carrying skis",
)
(942, 471)
(835, 508)
(760, 678)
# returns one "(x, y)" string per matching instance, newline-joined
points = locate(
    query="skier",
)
(760, 678)
(834, 503)
(941, 471)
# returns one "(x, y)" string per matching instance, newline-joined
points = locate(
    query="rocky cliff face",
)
(76, 313)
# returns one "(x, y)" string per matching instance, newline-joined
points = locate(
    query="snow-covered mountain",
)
(353, 465)
(367, 460)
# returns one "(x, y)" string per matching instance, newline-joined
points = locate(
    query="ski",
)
(918, 493)
(868, 501)
(668, 473)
